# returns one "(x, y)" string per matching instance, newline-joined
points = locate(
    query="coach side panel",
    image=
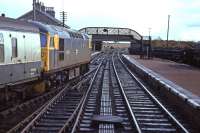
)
(21, 57)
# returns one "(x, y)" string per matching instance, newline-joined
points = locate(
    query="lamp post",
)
(149, 45)
(149, 32)
(168, 29)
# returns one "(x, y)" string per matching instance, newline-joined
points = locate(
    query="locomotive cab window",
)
(51, 42)
(61, 49)
(61, 44)
(14, 47)
(1, 48)
(43, 39)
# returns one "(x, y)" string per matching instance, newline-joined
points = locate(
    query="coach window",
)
(1, 48)
(61, 49)
(14, 47)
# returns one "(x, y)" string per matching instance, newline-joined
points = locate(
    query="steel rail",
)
(180, 126)
(126, 99)
(67, 123)
(85, 98)
(28, 127)
(17, 127)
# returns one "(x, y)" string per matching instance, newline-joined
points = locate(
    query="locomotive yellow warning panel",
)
(56, 42)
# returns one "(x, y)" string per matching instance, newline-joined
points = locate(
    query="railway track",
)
(12, 116)
(88, 108)
(122, 104)
(148, 113)
(16, 118)
(59, 113)
(120, 107)
(95, 61)
(104, 109)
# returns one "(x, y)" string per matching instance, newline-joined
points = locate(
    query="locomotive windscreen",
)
(43, 39)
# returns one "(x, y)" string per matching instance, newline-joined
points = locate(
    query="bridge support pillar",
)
(96, 45)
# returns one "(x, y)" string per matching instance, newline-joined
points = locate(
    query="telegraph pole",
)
(34, 13)
(168, 29)
(63, 16)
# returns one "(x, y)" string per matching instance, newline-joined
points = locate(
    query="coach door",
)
(4, 68)
(27, 56)
(17, 53)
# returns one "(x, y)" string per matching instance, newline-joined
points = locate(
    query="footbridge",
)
(100, 34)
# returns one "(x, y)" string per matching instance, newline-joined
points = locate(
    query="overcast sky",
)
(139, 15)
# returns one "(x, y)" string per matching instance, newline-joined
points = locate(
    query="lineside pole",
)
(168, 29)
(63, 17)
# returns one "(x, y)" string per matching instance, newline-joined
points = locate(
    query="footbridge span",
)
(100, 34)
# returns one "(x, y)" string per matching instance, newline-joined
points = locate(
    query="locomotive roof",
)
(61, 31)
(16, 25)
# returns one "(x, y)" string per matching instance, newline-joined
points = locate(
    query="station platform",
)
(183, 79)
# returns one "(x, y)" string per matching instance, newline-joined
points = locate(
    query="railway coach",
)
(20, 52)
